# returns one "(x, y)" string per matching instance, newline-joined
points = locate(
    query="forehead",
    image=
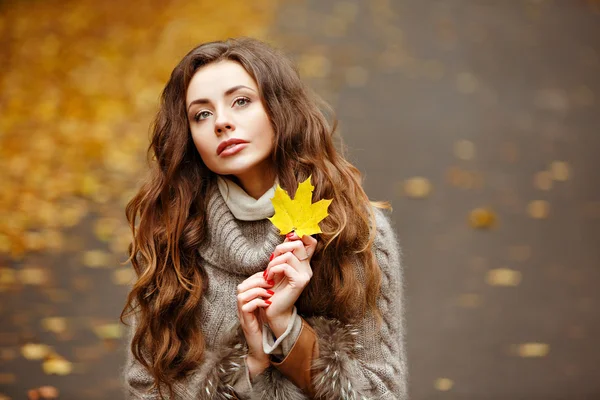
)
(212, 80)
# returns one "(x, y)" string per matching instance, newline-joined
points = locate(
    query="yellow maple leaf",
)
(300, 215)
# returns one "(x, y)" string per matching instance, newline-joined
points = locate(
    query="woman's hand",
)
(291, 272)
(252, 295)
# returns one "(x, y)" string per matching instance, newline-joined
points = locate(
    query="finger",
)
(285, 258)
(285, 249)
(307, 239)
(292, 236)
(288, 247)
(309, 242)
(255, 280)
(253, 293)
(245, 310)
(285, 269)
(290, 258)
(251, 306)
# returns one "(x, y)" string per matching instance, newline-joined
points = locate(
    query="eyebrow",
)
(227, 93)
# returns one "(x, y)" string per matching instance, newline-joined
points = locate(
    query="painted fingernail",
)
(271, 282)
(270, 292)
(290, 235)
(268, 302)
(265, 273)
(271, 258)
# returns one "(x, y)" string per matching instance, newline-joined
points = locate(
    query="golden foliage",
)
(79, 88)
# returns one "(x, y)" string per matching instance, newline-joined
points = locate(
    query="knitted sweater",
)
(354, 362)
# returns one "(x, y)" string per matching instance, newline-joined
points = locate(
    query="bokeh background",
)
(478, 119)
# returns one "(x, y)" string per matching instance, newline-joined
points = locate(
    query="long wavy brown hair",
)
(167, 216)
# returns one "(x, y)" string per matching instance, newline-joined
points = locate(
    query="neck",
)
(253, 183)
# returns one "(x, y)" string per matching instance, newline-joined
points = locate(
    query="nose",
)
(223, 124)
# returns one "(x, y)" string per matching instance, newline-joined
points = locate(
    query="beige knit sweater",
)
(355, 362)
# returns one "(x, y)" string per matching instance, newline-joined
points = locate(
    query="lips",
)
(228, 142)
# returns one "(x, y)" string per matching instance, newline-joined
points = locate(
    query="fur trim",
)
(334, 371)
(226, 366)
(273, 385)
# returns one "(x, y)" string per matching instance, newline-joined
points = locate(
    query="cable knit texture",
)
(355, 362)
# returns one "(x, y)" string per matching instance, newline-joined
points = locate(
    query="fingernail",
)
(265, 273)
(290, 235)
(270, 292)
(268, 302)
(271, 282)
(271, 258)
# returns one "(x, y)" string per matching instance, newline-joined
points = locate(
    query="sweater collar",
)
(243, 206)
(226, 246)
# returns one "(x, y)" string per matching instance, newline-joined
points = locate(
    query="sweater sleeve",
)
(359, 362)
(279, 348)
(222, 374)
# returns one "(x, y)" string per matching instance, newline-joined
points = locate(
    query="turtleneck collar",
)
(227, 247)
(243, 206)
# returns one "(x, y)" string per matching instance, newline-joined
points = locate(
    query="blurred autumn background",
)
(478, 120)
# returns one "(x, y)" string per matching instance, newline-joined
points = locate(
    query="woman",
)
(225, 307)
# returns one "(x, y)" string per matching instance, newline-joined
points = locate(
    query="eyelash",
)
(243, 98)
(248, 101)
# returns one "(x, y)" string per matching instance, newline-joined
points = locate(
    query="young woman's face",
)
(223, 103)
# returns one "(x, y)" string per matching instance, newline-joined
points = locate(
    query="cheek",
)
(265, 128)
(202, 145)
(266, 136)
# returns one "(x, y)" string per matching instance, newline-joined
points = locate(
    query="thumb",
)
(310, 242)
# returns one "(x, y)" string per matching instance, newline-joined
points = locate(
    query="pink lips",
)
(228, 142)
(233, 150)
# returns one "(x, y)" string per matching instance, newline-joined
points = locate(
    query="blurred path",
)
(478, 120)
(473, 115)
